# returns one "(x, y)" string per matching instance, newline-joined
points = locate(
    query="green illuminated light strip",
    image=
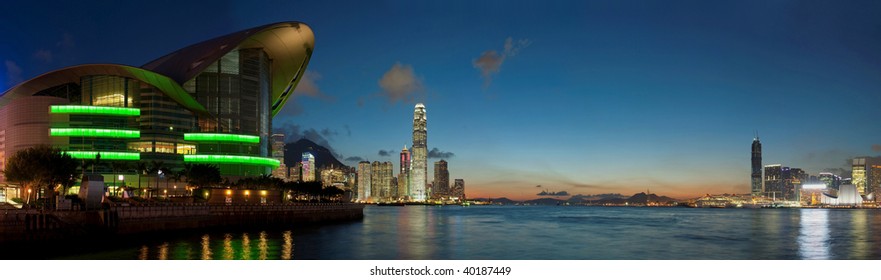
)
(94, 110)
(232, 159)
(104, 155)
(220, 137)
(95, 132)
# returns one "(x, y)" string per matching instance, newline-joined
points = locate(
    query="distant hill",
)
(293, 152)
(579, 198)
(640, 198)
(545, 201)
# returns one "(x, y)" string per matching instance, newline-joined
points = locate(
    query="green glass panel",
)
(220, 137)
(95, 132)
(94, 110)
(232, 159)
(104, 155)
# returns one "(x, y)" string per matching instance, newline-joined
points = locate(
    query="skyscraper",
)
(364, 180)
(756, 189)
(419, 171)
(278, 153)
(458, 189)
(308, 161)
(774, 181)
(381, 181)
(441, 185)
(404, 176)
(866, 174)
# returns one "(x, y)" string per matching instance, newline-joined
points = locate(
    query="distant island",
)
(639, 199)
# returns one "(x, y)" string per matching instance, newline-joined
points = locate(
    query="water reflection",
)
(417, 232)
(287, 248)
(859, 235)
(206, 247)
(144, 253)
(228, 252)
(163, 251)
(246, 247)
(813, 237)
(263, 246)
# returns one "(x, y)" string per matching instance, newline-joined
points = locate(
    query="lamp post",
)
(29, 196)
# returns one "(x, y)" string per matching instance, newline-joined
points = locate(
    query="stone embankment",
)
(23, 225)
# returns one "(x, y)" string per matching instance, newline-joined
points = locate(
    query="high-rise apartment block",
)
(441, 185)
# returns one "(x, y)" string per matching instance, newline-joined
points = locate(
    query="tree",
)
(204, 175)
(41, 168)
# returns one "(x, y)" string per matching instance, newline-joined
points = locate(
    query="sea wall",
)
(24, 225)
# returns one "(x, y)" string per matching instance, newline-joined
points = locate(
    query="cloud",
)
(490, 62)
(435, 153)
(546, 193)
(13, 73)
(400, 83)
(329, 133)
(66, 41)
(876, 147)
(44, 56)
(355, 159)
(384, 153)
(307, 87)
(294, 132)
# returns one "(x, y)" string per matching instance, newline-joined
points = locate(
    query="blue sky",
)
(588, 97)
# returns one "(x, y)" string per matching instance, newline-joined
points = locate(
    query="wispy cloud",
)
(66, 41)
(385, 153)
(308, 87)
(436, 153)
(44, 56)
(400, 83)
(355, 159)
(490, 62)
(13, 73)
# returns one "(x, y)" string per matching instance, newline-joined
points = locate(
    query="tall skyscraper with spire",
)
(419, 166)
(756, 189)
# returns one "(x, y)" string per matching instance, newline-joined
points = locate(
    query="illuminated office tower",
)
(441, 184)
(774, 181)
(419, 166)
(404, 175)
(831, 180)
(295, 174)
(308, 169)
(364, 181)
(278, 153)
(756, 189)
(859, 176)
(793, 180)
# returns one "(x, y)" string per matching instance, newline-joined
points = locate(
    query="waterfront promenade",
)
(35, 225)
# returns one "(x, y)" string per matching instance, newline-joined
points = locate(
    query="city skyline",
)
(586, 98)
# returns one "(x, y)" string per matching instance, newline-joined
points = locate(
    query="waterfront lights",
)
(95, 132)
(94, 110)
(274, 163)
(221, 137)
(104, 155)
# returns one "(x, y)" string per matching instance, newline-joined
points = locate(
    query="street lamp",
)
(29, 196)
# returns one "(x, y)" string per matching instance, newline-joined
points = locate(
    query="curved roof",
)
(74, 73)
(289, 46)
